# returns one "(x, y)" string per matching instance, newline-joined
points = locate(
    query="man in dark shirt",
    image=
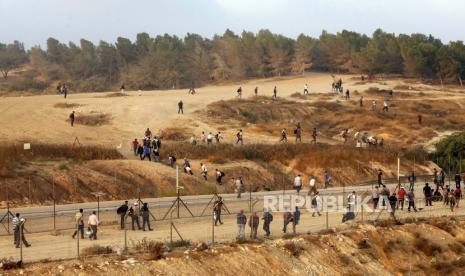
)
(428, 194)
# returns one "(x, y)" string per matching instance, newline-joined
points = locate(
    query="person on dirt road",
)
(267, 219)
(312, 186)
(316, 204)
(240, 137)
(204, 171)
(71, 118)
(452, 201)
(180, 107)
(18, 230)
(385, 106)
(147, 152)
(458, 196)
(287, 218)
(457, 179)
(193, 140)
(218, 137)
(298, 183)
(122, 211)
(93, 223)
(298, 133)
(241, 220)
(314, 135)
(305, 89)
(255, 91)
(380, 177)
(401, 198)
(428, 192)
(134, 213)
(140, 152)
(345, 135)
(275, 93)
(219, 177)
(135, 145)
(148, 133)
(145, 213)
(392, 204)
(217, 207)
(65, 91)
(239, 92)
(373, 105)
(360, 101)
(79, 224)
(187, 167)
(446, 192)
(411, 200)
(239, 183)
(347, 94)
(209, 138)
(254, 221)
(283, 136)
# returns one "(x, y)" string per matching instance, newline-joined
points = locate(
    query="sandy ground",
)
(35, 118)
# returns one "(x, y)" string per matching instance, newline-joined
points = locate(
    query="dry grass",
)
(425, 245)
(8, 264)
(92, 119)
(174, 134)
(116, 94)
(10, 154)
(66, 105)
(97, 250)
(293, 248)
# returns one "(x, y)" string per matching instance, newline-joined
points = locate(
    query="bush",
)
(97, 250)
(66, 105)
(93, 119)
(180, 243)
(25, 84)
(7, 264)
(293, 248)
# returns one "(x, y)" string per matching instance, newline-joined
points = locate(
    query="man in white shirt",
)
(351, 200)
(93, 223)
(305, 89)
(209, 138)
(204, 171)
(298, 183)
(312, 184)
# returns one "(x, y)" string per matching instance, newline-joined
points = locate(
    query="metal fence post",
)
(78, 237)
(327, 218)
(125, 240)
(213, 226)
(362, 213)
(21, 227)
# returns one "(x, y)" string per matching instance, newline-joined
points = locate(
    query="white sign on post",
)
(27, 146)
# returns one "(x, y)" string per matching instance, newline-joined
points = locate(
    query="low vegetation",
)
(92, 119)
(66, 105)
(97, 250)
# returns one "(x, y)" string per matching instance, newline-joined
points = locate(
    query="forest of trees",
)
(167, 61)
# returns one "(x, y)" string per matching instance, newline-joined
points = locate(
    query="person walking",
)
(347, 94)
(275, 93)
(360, 101)
(180, 107)
(218, 137)
(219, 177)
(71, 118)
(217, 207)
(314, 135)
(145, 213)
(380, 177)
(373, 105)
(428, 192)
(411, 179)
(135, 145)
(18, 230)
(305, 89)
(287, 218)
(385, 106)
(375, 197)
(254, 221)
(316, 204)
(256, 91)
(79, 224)
(452, 201)
(239, 183)
(93, 223)
(401, 198)
(134, 213)
(239, 92)
(296, 219)
(147, 152)
(204, 171)
(156, 155)
(457, 179)
(328, 179)
(241, 222)
(240, 137)
(298, 183)
(65, 91)
(148, 133)
(458, 196)
(122, 211)
(209, 138)
(411, 200)
(140, 151)
(193, 140)
(267, 219)
(298, 133)
(283, 136)
(312, 185)
(420, 119)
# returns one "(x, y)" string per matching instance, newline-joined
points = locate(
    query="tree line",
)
(167, 61)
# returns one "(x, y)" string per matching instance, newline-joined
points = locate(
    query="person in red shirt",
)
(458, 196)
(400, 198)
(135, 145)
